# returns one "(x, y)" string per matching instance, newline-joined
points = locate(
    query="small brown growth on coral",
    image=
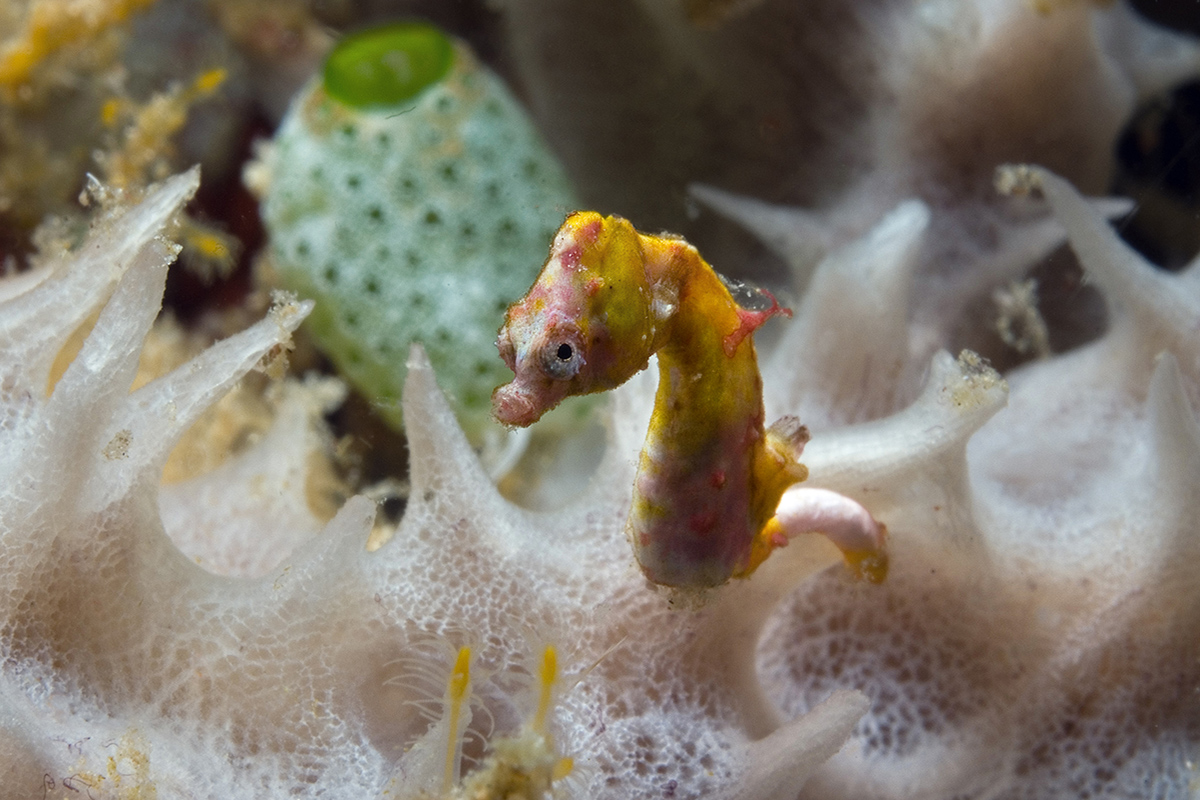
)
(1045, 7)
(714, 13)
(272, 29)
(1019, 322)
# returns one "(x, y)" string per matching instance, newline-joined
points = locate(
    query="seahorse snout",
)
(513, 406)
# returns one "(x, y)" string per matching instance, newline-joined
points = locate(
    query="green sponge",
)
(410, 196)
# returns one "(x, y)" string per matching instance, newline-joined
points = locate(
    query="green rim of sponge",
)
(388, 65)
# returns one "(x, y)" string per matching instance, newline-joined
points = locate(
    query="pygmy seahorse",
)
(710, 479)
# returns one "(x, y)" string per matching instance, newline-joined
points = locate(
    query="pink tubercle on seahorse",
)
(710, 479)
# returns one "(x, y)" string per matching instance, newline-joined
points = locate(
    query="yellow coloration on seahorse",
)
(710, 476)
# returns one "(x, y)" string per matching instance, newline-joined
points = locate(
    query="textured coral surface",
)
(302, 679)
(1025, 647)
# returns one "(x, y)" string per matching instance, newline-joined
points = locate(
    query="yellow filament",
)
(549, 673)
(209, 245)
(208, 82)
(562, 768)
(109, 112)
(457, 690)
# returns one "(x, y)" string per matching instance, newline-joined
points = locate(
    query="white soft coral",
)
(1033, 639)
(121, 652)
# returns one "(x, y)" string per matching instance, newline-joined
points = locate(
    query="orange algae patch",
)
(55, 24)
(126, 774)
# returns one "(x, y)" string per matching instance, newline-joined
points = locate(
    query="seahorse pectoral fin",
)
(788, 436)
(845, 522)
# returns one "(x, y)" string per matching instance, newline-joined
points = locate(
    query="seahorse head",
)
(585, 326)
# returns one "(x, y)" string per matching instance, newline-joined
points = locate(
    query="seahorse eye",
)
(562, 361)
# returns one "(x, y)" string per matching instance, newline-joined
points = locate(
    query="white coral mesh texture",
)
(668, 755)
(916, 654)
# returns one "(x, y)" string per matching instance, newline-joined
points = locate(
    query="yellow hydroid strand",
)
(548, 675)
(457, 691)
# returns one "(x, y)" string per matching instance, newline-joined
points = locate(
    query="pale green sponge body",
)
(412, 220)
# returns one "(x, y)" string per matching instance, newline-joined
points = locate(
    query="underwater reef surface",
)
(1035, 638)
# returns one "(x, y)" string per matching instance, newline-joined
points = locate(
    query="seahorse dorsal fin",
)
(754, 307)
(749, 321)
(747, 295)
